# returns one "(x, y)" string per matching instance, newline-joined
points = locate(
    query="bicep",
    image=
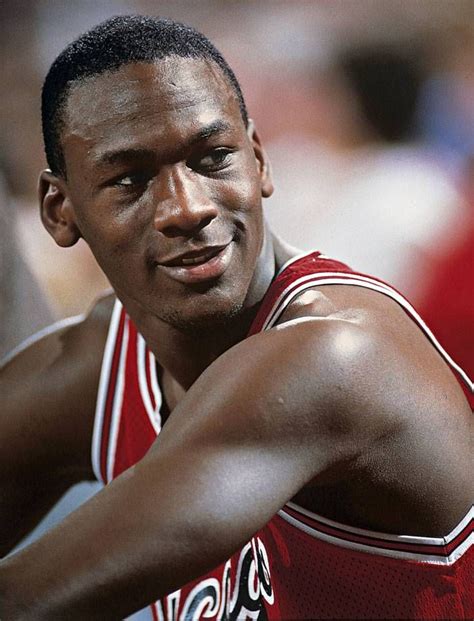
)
(286, 408)
(258, 425)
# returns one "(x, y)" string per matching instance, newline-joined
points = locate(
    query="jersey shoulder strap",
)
(315, 270)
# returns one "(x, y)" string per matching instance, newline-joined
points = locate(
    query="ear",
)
(262, 160)
(57, 212)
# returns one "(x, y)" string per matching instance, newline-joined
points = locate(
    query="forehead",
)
(165, 97)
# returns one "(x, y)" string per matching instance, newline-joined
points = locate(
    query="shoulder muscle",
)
(48, 393)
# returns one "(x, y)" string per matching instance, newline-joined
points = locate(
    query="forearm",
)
(123, 549)
(87, 567)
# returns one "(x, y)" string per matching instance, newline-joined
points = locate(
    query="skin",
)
(384, 425)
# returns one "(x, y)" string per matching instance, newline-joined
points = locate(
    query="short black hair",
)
(116, 42)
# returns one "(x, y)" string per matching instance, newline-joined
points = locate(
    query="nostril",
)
(178, 231)
(178, 219)
(206, 221)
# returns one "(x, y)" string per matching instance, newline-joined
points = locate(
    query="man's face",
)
(166, 184)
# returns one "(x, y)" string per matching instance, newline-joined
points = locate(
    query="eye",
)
(131, 181)
(212, 161)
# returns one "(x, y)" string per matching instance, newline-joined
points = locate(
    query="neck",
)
(185, 356)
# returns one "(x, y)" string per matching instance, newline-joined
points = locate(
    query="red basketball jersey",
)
(300, 565)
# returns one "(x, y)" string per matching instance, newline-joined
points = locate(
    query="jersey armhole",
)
(296, 288)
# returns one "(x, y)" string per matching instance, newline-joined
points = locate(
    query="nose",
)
(182, 204)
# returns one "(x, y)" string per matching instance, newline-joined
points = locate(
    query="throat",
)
(185, 356)
(171, 392)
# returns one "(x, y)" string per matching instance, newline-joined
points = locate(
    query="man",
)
(282, 384)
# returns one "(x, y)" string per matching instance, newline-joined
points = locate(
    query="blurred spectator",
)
(23, 307)
(368, 192)
(386, 83)
(446, 118)
(446, 110)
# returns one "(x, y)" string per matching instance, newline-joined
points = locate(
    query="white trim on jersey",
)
(117, 405)
(155, 386)
(157, 609)
(342, 278)
(461, 526)
(296, 287)
(103, 389)
(144, 359)
(416, 539)
(302, 255)
(37, 336)
(437, 559)
(292, 260)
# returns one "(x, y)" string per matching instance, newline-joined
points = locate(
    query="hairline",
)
(82, 81)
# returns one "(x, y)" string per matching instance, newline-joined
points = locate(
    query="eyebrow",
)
(216, 127)
(125, 155)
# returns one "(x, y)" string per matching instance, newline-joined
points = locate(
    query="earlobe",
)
(57, 212)
(262, 159)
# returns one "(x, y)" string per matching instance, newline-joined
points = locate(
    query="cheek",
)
(112, 226)
(251, 190)
(104, 239)
(240, 193)
(113, 244)
(247, 215)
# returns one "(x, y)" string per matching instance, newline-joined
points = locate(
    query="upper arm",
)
(266, 418)
(47, 409)
(322, 397)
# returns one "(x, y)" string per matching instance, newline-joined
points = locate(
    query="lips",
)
(199, 265)
(194, 257)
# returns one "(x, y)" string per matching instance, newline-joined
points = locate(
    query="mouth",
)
(199, 265)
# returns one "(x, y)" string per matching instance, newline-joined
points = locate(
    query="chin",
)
(204, 320)
(207, 307)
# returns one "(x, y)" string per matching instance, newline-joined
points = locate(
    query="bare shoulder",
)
(50, 387)
(384, 380)
(381, 334)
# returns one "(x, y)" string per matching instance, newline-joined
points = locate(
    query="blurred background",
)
(366, 108)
